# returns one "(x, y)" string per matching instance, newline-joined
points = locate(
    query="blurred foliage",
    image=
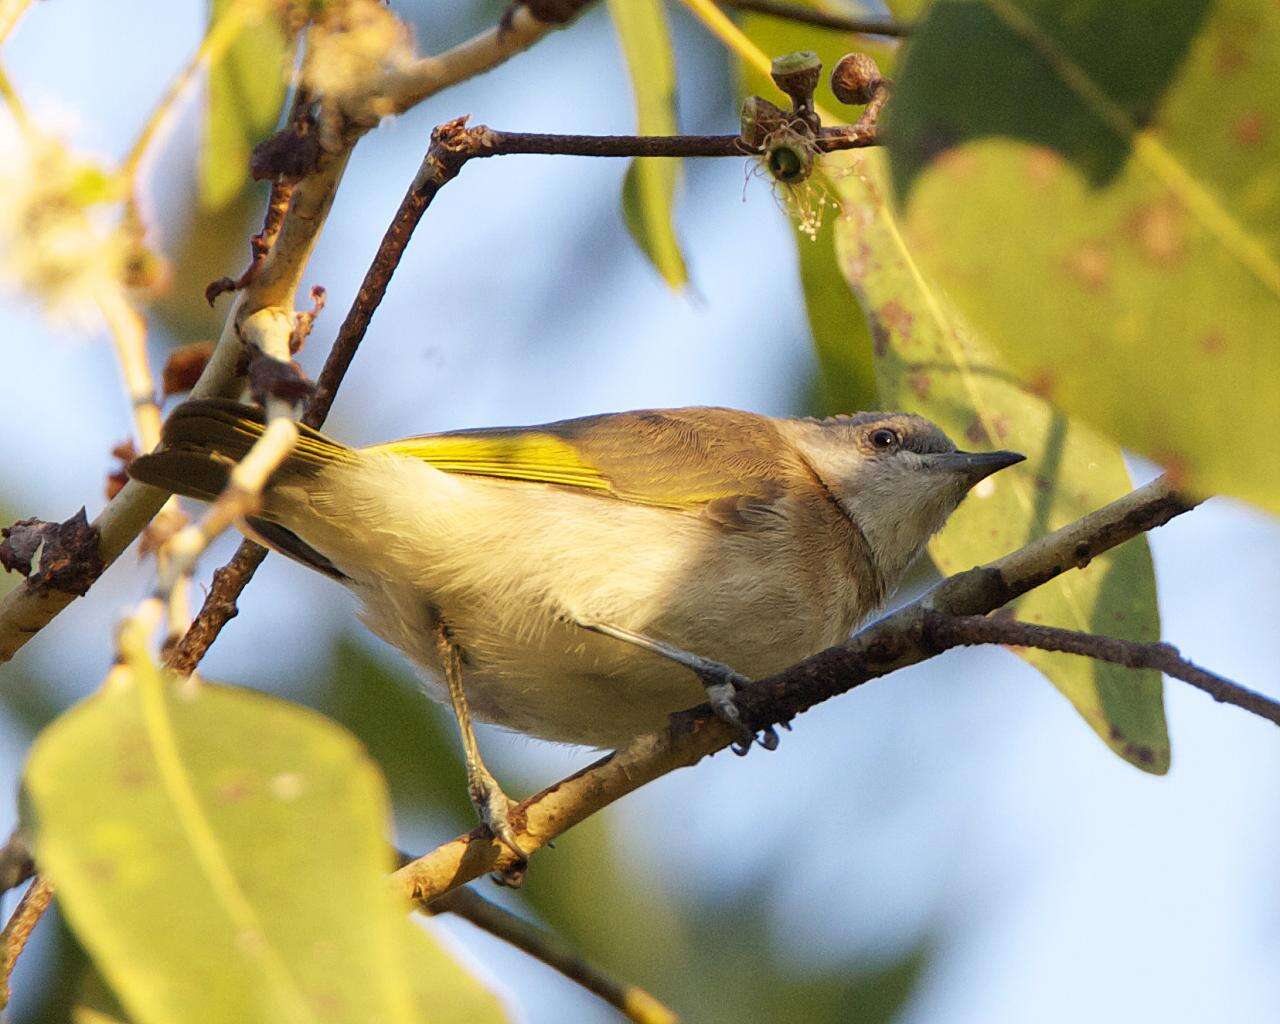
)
(246, 91)
(900, 328)
(712, 962)
(210, 244)
(413, 740)
(929, 361)
(841, 334)
(244, 827)
(1094, 183)
(648, 191)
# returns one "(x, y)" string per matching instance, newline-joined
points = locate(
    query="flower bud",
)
(759, 118)
(797, 75)
(789, 158)
(856, 78)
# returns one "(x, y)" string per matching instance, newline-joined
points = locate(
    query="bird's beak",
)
(974, 466)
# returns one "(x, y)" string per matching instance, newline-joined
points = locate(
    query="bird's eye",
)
(884, 439)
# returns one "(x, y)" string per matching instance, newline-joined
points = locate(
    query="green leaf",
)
(1094, 183)
(246, 91)
(223, 857)
(841, 334)
(928, 360)
(648, 191)
(907, 10)
(413, 739)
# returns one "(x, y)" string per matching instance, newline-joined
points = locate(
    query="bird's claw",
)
(494, 810)
(720, 695)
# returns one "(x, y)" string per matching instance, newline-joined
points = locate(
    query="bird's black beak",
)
(975, 466)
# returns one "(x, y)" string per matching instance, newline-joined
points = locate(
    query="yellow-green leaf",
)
(1095, 185)
(841, 335)
(648, 191)
(246, 90)
(928, 360)
(223, 857)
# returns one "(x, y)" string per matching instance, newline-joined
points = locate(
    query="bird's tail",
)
(204, 438)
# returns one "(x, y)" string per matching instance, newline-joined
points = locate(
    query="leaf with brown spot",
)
(1069, 469)
(229, 861)
(1122, 233)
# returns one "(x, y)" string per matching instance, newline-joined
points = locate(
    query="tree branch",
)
(947, 631)
(892, 643)
(452, 145)
(820, 18)
(13, 940)
(27, 609)
(481, 141)
(633, 1002)
(229, 581)
(408, 87)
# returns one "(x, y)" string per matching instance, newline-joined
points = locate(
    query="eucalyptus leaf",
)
(246, 92)
(223, 857)
(841, 334)
(648, 191)
(930, 361)
(1094, 183)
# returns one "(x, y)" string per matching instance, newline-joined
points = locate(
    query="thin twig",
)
(893, 642)
(229, 581)
(129, 336)
(820, 18)
(949, 631)
(269, 331)
(632, 1001)
(487, 142)
(13, 940)
(26, 610)
(407, 87)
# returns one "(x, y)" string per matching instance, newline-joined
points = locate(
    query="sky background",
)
(961, 801)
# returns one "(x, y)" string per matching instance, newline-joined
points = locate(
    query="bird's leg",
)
(490, 802)
(720, 681)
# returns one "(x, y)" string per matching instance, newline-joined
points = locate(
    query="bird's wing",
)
(732, 465)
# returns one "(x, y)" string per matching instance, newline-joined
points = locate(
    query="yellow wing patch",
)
(541, 458)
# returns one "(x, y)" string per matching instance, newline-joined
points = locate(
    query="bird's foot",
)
(721, 688)
(494, 810)
(720, 680)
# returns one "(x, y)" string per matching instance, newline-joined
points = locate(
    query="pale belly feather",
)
(509, 566)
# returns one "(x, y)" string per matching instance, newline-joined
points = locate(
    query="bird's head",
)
(896, 475)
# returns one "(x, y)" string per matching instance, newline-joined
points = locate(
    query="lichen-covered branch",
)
(896, 641)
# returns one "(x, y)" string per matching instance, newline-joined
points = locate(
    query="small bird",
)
(563, 580)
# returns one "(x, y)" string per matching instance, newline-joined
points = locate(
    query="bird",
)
(580, 581)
